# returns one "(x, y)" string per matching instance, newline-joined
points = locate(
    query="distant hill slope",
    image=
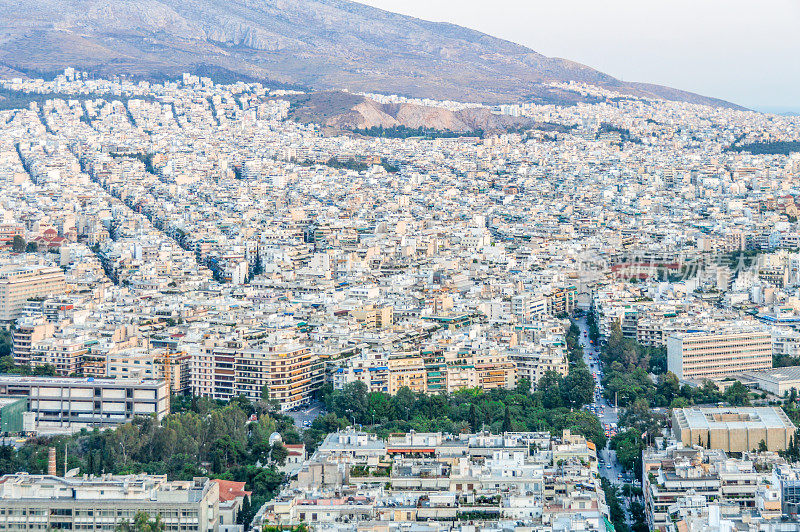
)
(345, 111)
(320, 44)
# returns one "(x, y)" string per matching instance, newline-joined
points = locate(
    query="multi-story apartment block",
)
(291, 373)
(66, 353)
(374, 316)
(30, 331)
(18, 284)
(562, 301)
(495, 370)
(46, 502)
(527, 307)
(506, 480)
(680, 477)
(533, 361)
(707, 355)
(407, 371)
(141, 363)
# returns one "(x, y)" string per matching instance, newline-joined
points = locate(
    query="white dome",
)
(275, 436)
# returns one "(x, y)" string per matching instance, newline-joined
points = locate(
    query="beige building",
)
(291, 372)
(374, 317)
(734, 430)
(66, 353)
(460, 377)
(142, 363)
(46, 502)
(495, 370)
(702, 355)
(407, 371)
(29, 331)
(18, 284)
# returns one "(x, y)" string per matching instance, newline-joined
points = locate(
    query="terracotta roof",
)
(230, 490)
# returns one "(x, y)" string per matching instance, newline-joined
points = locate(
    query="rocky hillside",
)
(347, 111)
(321, 44)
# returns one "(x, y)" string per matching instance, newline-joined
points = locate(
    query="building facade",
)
(46, 502)
(18, 284)
(74, 403)
(291, 373)
(702, 355)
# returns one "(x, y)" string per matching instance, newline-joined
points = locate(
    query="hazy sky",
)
(744, 51)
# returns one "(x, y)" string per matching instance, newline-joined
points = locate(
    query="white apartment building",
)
(707, 355)
(528, 307)
(46, 502)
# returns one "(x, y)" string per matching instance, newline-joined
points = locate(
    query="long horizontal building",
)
(47, 502)
(737, 429)
(69, 404)
(18, 284)
(707, 355)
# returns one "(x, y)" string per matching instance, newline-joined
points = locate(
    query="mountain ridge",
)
(320, 44)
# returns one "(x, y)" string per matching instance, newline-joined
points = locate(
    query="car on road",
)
(608, 465)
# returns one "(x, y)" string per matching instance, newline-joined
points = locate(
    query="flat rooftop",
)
(786, 374)
(728, 418)
(71, 381)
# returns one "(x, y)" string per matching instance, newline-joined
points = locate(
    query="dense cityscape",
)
(218, 318)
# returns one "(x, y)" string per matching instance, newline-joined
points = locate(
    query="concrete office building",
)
(733, 429)
(46, 502)
(704, 355)
(66, 404)
(18, 284)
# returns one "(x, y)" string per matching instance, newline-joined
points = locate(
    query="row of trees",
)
(554, 406)
(8, 367)
(18, 245)
(404, 132)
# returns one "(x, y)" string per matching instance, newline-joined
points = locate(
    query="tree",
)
(474, 424)
(258, 267)
(550, 387)
(507, 420)
(668, 387)
(404, 401)
(737, 394)
(31, 247)
(578, 387)
(629, 446)
(762, 446)
(18, 244)
(524, 386)
(245, 515)
(279, 453)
